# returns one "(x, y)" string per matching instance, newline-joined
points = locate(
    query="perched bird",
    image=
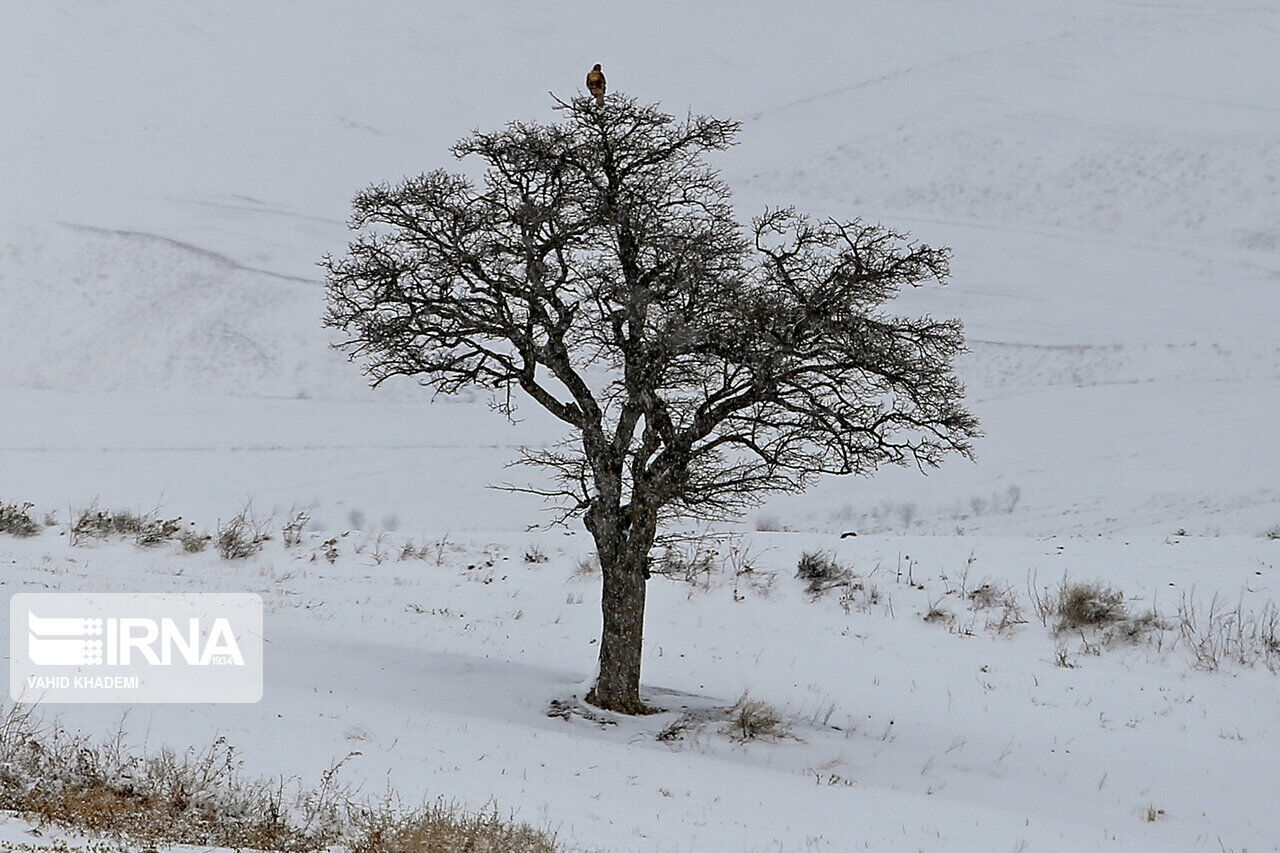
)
(595, 84)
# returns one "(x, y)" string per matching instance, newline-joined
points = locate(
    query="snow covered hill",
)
(1107, 173)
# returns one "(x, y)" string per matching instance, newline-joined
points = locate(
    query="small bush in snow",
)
(1089, 605)
(241, 537)
(193, 541)
(91, 523)
(291, 531)
(435, 551)
(409, 551)
(16, 520)
(1074, 606)
(856, 595)
(1097, 609)
(1000, 601)
(533, 554)
(153, 531)
(751, 719)
(678, 728)
(329, 550)
(939, 614)
(820, 571)
(692, 562)
(1135, 628)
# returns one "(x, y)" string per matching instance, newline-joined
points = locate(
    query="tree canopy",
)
(597, 266)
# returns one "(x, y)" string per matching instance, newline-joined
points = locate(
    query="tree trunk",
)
(617, 686)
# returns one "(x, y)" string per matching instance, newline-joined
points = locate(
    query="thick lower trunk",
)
(617, 687)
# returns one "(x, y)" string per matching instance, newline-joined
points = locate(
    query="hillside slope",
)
(1106, 173)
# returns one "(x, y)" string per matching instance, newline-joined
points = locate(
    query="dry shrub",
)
(939, 614)
(1097, 613)
(1000, 602)
(193, 541)
(691, 565)
(1075, 606)
(293, 531)
(242, 536)
(820, 571)
(1089, 605)
(16, 520)
(751, 719)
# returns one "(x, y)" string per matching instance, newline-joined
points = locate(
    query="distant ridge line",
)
(225, 260)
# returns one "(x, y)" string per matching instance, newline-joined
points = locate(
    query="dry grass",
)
(1089, 605)
(1074, 606)
(1098, 615)
(242, 536)
(1219, 633)
(693, 562)
(752, 719)
(445, 828)
(16, 520)
(193, 541)
(202, 797)
(145, 528)
(587, 567)
(939, 614)
(293, 531)
(820, 572)
(1000, 603)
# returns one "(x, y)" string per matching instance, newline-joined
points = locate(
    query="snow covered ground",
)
(904, 734)
(1106, 173)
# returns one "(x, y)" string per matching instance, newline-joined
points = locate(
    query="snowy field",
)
(1108, 176)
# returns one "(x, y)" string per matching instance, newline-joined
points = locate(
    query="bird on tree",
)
(596, 83)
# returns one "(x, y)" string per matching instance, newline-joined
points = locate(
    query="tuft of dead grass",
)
(753, 719)
(16, 520)
(1000, 603)
(1073, 606)
(1089, 605)
(587, 567)
(821, 572)
(242, 536)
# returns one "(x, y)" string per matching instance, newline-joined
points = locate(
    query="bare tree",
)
(598, 267)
